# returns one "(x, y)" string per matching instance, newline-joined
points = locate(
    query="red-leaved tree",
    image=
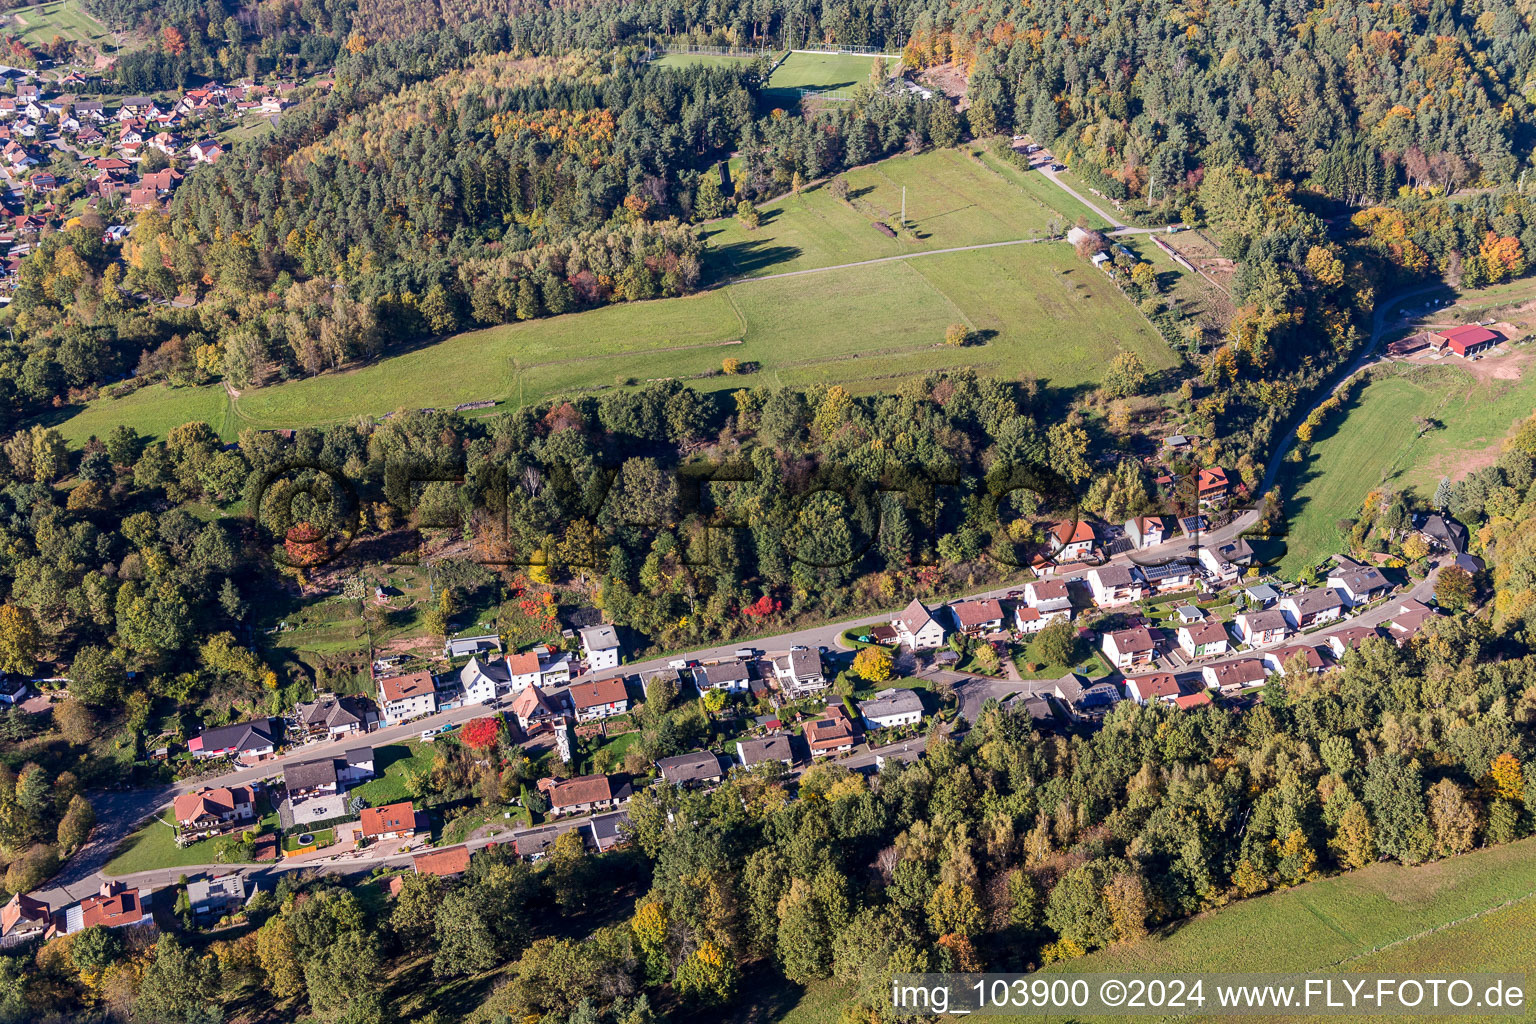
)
(480, 734)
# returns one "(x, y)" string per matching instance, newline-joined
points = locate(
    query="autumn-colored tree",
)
(481, 733)
(1507, 777)
(18, 640)
(873, 664)
(174, 42)
(1454, 588)
(956, 334)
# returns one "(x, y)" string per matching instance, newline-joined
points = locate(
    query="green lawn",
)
(1376, 443)
(38, 25)
(821, 71)
(1040, 313)
(952, 199)
(393, 761)
(154, 846)
(1424, 917)
(324, 837)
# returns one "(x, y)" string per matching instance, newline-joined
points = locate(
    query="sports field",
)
(1377, 442)
(1038, 312)
(38, 25)
(822, 71)
(1468, 913)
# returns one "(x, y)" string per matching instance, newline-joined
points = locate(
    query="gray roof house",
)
(699, 767)
(769, 748)
(890, 707)
(799, 672)
(216, 896)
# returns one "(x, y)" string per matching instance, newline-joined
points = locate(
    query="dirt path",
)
(883, 259)
(1366, 357)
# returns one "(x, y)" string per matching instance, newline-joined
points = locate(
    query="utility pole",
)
(903, 207)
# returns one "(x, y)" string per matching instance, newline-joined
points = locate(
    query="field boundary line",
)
(1511, 902)
(882, 259)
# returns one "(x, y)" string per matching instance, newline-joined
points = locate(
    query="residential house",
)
(247, 742)
(407, 696)
(1166, 577)
(12, 690)
(216, 897)
(1147, 531)
(1311, 607)
(211, 812)
(131, 107)
(1443, 532)
(114, 906)
(891, 707)
(163, 181)
(354, 766)
(460, 646)
(767, 748)
(1232, 676)
(313, 794)
(392, 821)
(1115, 584)
(799, 672)
(1227, 561)
(481, 682)
(206, 152)
(1048, 596)
(1467, 342)
(584, 794)
(917, 628)
(598, 698)
(1348, 638)
(1407, 618)
(311, 779)
(609, 830)
(732, 676)
(1278, 659)
(1157, 686)
(696, 768)
(42, 181)
(329, 717)
(1192, 700)
(22, 920)
(1259, 628)
(449, 863)
(975, 618)
(543, 665)
(600, 647)
(1262, 595)
(26, 91)
(165, 142)
(1128, 648)
(534, 710)
(832, 733)
(88, 109)
(1032, 620)
(1070, 541)
(1357, 584)
(1203, 639)
(534, 843)
(1213, 486)
(1038, 708)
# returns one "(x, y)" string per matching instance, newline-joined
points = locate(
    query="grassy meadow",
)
(37, 25)
(1468, 913)
(1038, 312)
(1376, 442)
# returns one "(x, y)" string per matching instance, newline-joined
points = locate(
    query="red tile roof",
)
(113, 907)
(443, 863)
(585, 789)
(399, 817)
(598, 692)
(411, 685)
